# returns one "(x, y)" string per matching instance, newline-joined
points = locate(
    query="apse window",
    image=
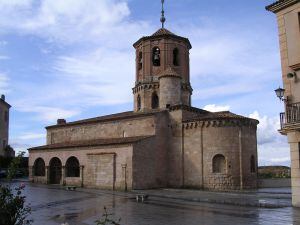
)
(156, 56)
(219, 164)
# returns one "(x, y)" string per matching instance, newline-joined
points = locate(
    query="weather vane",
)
(162, 19)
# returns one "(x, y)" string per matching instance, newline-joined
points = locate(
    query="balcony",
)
(291, 118)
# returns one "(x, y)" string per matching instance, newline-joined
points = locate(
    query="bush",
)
(12, 206)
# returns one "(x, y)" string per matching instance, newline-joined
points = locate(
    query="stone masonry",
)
(163, 142)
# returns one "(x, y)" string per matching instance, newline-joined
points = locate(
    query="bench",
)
(71, 188)
(141, 197)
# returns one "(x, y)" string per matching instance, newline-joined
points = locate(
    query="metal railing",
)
(291, 115)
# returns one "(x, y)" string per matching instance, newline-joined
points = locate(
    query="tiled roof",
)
(92, 143)
(112, 117)
(281, 4)
(169, 72)
(218, 115)
(162, 32)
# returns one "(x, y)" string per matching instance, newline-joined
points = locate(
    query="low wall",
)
(274, 183)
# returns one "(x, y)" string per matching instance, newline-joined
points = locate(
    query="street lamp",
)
(280, 93)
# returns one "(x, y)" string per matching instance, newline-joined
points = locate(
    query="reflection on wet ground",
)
(52, 205)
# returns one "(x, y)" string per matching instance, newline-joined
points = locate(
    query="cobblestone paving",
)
(52, 205)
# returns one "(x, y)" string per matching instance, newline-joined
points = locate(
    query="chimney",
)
(3, 97)
(61, 121)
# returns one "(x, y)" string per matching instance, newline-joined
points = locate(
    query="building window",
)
(155, 101)
(176, 57)
(4, 144)
(6, 116)
(156, 56)
(140, 61)
(252, 164)
(138, 102)
(219, 164)
(39, 167)
(72, 167)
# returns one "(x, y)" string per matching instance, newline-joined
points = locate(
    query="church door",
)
(55, 171)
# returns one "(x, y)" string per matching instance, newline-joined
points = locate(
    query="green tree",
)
(12, 206)
(14, 166)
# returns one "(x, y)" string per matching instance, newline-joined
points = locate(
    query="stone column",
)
(47, 175)
(294, 141)
(81, 175)
(63, 176)
(124, 170)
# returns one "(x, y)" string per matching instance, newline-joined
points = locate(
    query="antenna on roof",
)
(162, 18)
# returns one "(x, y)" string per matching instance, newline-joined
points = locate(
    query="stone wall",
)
(117, 129)
(170, 91)
(202, 143)
(93, 176)
(150, 158)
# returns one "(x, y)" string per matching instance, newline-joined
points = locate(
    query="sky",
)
(74, 59)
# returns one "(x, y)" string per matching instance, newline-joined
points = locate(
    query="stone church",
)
(163, 142)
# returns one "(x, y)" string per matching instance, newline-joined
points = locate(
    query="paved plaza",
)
(52, 205)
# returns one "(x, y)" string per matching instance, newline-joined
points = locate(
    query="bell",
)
(156, 57)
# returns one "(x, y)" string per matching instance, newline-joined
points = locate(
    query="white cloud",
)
(3, 82)
(48, 114)
(216, 108)
(30, 136)
(4, 57)
(270, 142)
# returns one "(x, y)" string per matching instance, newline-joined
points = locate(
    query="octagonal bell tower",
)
(162, 71)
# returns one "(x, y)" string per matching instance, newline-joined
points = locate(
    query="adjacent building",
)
(4, 126)
(163, 142)
(288, 19)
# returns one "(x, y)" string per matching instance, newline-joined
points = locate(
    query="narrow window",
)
(6, 116)
(155, 101)
(140, 61)
(252, 164)
(176, 57)
(219, 164)
(299, 20)
(138, 102)
(4, 144)
(156, 56)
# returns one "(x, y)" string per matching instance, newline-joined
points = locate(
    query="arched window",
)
(72, 167)
(138, 102)
(219, 164)
(252, 164)
(156, 56)
(39, 167)
(140, 61)
(176, 57)
(155, 101)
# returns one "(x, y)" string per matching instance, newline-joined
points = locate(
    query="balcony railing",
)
(291, 115)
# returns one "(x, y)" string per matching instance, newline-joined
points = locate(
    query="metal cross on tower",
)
(162, 18)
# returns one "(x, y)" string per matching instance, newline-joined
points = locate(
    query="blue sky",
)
(74, 59)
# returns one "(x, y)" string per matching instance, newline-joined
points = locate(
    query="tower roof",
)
(163, 33)
(169, 72)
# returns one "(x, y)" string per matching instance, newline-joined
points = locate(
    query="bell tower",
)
(162, 70)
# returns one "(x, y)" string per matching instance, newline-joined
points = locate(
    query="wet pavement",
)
(52, 205)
